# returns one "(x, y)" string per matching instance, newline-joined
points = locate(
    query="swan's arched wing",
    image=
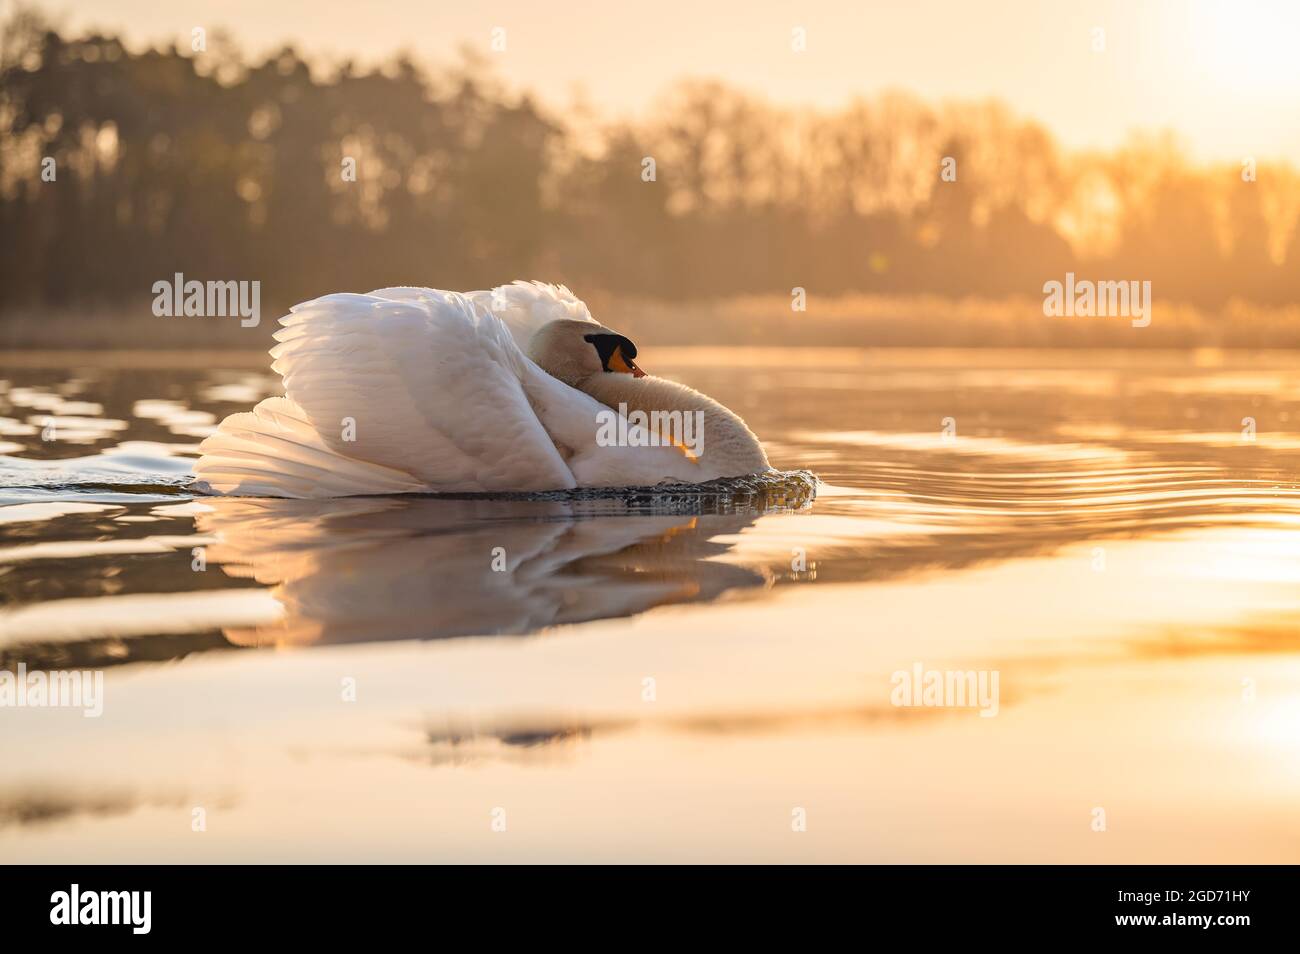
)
(526, 306)
(421, 381)
(413, 388)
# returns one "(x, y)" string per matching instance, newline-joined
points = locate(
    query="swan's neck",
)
(645, 394)
(726, 438)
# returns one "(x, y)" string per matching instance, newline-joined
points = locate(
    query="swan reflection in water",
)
(388, 568)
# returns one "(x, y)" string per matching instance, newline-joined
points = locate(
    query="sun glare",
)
(1247, 45)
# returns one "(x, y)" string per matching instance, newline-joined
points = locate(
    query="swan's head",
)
(574, 350)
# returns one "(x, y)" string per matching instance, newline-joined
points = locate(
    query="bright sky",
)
(1225, 74)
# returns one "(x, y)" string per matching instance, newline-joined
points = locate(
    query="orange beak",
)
(618, 362)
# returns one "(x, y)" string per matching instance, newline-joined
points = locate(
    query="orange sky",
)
(1223, 73)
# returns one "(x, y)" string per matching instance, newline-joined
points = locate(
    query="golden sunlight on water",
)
(1115, 537)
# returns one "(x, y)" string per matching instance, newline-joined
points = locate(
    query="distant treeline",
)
(202, 163)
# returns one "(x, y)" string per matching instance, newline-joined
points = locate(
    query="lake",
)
(1102, 547)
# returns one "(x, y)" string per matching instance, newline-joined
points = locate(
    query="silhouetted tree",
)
(221, 169)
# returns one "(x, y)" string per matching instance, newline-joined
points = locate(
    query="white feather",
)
(526, 306)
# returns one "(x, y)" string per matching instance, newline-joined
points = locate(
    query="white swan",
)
(420, 390)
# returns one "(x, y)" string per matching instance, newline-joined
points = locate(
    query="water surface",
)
(667, 678)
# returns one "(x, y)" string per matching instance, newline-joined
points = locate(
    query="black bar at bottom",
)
(1226, 903)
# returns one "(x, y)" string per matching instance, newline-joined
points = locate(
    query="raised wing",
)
(427, 384)
(526, 306)
(410, 389)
